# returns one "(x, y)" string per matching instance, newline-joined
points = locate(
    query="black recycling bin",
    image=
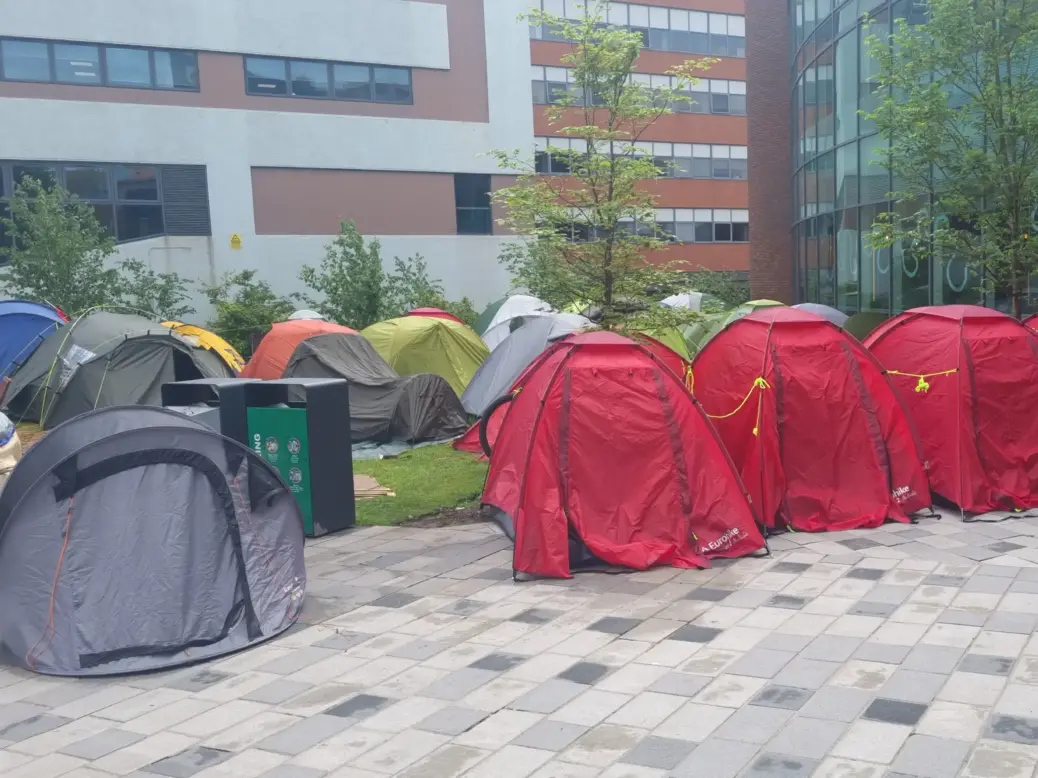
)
(216, 402)
(301, 426)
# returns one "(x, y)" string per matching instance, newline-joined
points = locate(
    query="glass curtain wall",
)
(839, 188)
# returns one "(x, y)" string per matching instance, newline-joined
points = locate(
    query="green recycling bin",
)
(301, 427)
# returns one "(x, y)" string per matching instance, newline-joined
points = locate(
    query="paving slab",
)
(898, 652)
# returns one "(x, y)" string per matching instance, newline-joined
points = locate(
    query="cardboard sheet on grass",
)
(365, 487)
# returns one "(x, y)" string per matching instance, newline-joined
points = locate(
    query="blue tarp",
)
(23, 326)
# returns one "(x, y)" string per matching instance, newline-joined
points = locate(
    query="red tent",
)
(1032, 322)
(280, 343)
(470, 440)
(969, 376)
(434, 313)
(668, 356)
(605, 447)
(821, 438)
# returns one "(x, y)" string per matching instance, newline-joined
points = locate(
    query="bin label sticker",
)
(272, 446)
(294, 446)
(295, 475)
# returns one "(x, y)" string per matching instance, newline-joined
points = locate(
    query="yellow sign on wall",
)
(235, 241)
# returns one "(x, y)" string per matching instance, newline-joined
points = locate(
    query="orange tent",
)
(280, 343)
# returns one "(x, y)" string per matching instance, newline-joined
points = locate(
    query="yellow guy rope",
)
(759, 383)
(923, 386)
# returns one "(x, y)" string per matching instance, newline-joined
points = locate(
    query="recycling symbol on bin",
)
(272, 446)
(293, 446)
(295, 475)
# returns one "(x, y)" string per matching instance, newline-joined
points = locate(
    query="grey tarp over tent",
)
(135, 539)
(506, 362)
(383, 405)
(104, 359)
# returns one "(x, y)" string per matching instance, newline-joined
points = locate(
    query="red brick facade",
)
(770, 149)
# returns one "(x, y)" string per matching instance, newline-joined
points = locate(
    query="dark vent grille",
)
(185, 198)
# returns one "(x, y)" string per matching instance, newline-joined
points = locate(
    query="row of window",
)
(551, 85)
(143, 68)
(127, 199)
(662, 29)
(683, 225)
(328, 80)
(675, 160)
(89, 64)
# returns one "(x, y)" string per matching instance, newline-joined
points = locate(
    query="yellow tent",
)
(209, 341)
(423, 344)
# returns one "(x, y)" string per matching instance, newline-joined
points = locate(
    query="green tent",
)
(423, 344)
(672, 338)
(861, 325)
(699, 333)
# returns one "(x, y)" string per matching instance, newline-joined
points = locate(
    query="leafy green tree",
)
(350, 280)
(162, 295)
(722, 284)
(245, 309)
(59, 252)
(586, 235)
(353, 287)
(961, 115)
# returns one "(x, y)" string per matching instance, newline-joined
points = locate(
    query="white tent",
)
(512, 309)
(693, 301)
(308, 315)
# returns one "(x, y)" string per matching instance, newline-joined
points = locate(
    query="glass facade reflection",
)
(839, 187)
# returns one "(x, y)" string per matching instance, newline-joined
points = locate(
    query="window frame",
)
(330, 66)
(113, 201)
(716, 44)
(104, 80)
(487, 210)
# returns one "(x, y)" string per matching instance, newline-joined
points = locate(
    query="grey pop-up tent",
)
(499, 371)
(104, 359)
(383, 405)
(136, 539)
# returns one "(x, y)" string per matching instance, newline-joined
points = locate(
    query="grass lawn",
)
(425, 481)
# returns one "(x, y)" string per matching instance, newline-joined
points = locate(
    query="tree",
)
(162, 295)
(961, 115)
(722, 284)
(586, 235)
(59, 252)
(349, 280)
(245, 309)
(353, 287)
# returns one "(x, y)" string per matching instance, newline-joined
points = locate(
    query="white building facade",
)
(218, 135)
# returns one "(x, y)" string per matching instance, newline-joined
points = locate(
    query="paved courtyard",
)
(903, 651)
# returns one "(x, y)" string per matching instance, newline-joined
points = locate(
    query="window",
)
(551, 84)
(309, 79)
(674, 160)
(472, 203)
(88, 183)
(136, 183)
(352, 82)
(45, 174)
(176, 70)
(706, 225)
(128, 67)
(89, 64)
(392, 85)
(77, 64)
(662, 29)
(131, 201)
(265, 76)
(327, 80)
(25, 60)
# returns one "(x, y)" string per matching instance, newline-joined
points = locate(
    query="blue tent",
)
(23, 326)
